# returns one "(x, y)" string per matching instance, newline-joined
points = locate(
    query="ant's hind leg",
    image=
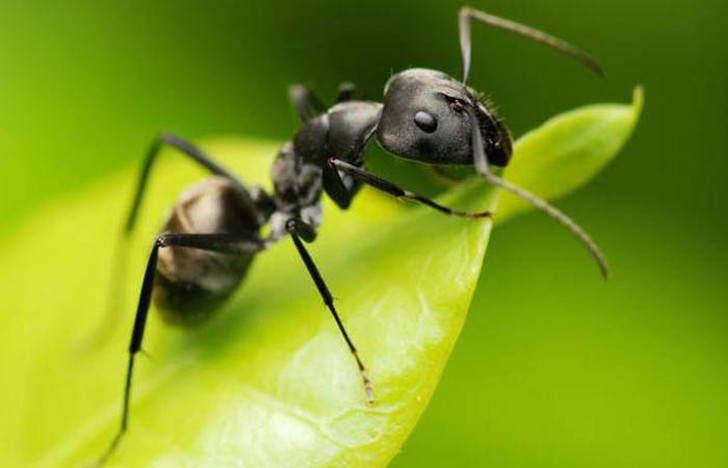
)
(300, 230)
(119, 267)
(189, 150)
(222, 243)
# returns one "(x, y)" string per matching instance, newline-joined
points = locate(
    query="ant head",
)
(426, 117)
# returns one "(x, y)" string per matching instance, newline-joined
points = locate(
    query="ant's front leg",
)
(386, 186)
(337, 189)
(222, 243)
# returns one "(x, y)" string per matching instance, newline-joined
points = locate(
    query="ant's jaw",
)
(496, 136)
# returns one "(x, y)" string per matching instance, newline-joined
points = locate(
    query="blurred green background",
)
(576, 372)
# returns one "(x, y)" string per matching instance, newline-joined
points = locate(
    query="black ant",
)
(213, 233)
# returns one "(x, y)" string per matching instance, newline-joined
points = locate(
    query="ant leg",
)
(222, 243)
(106, 325)
(347, 91)
(300, 230)
(305, 101)
(398, 192)
(308, 105)
(193, 152)
(481, 166)
(337, 190)
(559, 45)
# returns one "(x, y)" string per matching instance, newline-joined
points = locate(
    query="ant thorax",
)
(297, 183)
(299, 171)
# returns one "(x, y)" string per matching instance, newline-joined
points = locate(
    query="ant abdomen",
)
(192, 283)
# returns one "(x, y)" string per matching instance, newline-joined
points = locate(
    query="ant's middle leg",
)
(308, 105)
(386, 186)
(232, 244)
(300, 230)
(348, 91)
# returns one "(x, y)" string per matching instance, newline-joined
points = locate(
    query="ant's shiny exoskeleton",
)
(212, 235)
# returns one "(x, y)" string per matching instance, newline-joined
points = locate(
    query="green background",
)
(574, 372)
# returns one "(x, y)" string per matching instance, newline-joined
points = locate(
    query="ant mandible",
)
(210, 238)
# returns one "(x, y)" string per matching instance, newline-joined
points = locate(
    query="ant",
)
(212, 235)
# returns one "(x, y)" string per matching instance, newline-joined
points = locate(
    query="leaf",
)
(269, 381)
(568, 150)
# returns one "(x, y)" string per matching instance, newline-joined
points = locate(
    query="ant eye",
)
(426, 122)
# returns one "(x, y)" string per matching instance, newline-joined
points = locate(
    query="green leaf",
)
(269, 380)
(568, 150)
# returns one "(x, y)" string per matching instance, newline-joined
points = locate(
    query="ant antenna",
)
(481, 166)
(559, 45)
